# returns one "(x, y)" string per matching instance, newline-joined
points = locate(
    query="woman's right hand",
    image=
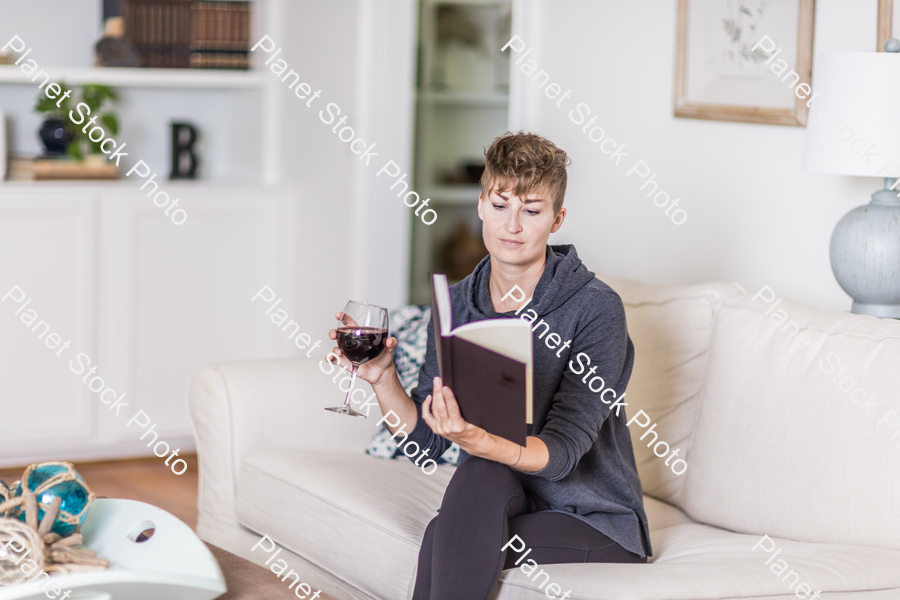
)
(375, 371)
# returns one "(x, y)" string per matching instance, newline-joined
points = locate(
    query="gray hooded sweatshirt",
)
(591, 473)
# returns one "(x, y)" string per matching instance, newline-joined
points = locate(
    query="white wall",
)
(354, 234)
(62, 32)
(753, 217)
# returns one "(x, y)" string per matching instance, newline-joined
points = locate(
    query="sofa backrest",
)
(671, 327)
(798, 429)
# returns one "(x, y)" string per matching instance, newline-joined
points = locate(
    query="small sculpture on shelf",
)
(113, 50)
(460, 252)
(466, 173)
(184, 158)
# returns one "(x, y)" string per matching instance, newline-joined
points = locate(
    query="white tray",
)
(174, 564)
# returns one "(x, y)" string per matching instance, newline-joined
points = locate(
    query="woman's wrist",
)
(494, 448)
(387, 380)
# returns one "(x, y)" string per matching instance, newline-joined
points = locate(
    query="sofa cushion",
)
(797, 432)
(355, 516)
(701, 562)
(362, 520)
(671, 327)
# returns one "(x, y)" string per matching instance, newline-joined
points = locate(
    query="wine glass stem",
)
(352, 382)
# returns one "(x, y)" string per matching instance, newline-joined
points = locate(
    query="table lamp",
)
(854, 129)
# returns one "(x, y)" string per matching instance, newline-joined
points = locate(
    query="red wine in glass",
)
(361, 344)
(361, 336)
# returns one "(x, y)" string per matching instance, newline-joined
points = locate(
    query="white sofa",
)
(774, 447)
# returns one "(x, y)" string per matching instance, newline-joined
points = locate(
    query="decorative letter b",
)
(184, 161)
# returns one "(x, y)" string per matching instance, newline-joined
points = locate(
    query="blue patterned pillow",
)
(409, 324)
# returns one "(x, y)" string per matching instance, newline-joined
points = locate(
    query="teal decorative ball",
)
(74, 496)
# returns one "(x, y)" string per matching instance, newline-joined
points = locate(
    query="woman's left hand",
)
(441, 412)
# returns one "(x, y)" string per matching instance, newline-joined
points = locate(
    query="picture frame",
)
(718, 77)
(888, 23)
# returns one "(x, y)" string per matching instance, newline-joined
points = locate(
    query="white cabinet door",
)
(142, 299)
(174, 297)
(47, 276)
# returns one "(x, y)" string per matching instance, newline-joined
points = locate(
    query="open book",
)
(487, 364)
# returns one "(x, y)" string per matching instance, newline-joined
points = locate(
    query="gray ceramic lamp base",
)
(865, 255)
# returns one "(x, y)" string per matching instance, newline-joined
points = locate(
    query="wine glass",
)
(361, 335)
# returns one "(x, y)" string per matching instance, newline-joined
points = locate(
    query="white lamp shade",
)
(854, 124)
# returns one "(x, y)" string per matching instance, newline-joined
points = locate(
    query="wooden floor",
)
(146, 479)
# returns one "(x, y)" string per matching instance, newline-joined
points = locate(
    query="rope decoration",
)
(34, 541)
(15, 539)
(28, 497)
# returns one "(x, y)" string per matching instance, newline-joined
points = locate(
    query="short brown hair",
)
(525, 163)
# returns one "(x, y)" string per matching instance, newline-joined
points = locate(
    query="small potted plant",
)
(63, 137)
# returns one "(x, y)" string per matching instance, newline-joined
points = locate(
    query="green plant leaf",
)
(110, 122)
(74, 149)
(64, 101)
(45, 104)
(95, 95)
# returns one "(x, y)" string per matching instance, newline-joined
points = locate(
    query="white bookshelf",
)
(231, 150)
(462, 105)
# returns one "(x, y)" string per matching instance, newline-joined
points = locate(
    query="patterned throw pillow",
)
(409, 324)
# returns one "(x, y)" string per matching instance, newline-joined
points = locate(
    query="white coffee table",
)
(173, 563)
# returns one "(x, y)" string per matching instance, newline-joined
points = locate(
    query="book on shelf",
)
(46, 169)
(21, 168)
(190, 34)
(220, 26)
(487, 364)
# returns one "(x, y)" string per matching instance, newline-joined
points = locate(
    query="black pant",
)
(483, 507)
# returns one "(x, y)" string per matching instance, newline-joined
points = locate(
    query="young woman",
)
(572, 494)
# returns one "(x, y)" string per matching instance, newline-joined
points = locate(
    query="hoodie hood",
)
(564, 275)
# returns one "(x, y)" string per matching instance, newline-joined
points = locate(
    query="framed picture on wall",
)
(888, 22)
(744, 60)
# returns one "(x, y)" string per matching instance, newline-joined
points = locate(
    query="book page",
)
(509, 337)
(442, 297)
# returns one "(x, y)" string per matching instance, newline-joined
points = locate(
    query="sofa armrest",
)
(240, 408)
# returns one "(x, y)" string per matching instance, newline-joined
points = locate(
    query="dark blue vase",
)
(55, 136)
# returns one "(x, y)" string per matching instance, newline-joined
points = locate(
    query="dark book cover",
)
(493, 389)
